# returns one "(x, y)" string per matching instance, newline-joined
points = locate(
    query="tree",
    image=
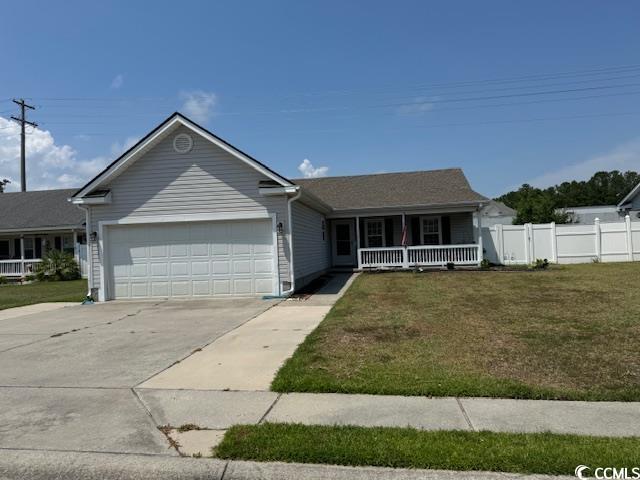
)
(545, 205)
(3, 184)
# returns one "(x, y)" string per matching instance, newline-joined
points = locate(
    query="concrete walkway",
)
(249, 357)
(35, 308)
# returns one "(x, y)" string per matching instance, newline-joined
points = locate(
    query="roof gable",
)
(119, 165)
(630, 196)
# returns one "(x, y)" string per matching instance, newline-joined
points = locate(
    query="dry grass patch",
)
(567, 333)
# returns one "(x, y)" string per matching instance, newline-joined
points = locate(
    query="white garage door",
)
(191, 259)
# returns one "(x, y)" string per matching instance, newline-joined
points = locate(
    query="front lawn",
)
(543, 453)
(39, 292)
(571, 332)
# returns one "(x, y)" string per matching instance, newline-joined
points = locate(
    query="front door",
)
(344, 245)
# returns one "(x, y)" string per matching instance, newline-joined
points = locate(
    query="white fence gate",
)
(523, 244)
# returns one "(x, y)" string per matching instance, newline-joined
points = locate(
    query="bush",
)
(3, 280)
(57, 266)
(541, 264)
(485, 264)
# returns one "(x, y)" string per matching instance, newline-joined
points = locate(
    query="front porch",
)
(21, 252)
(407, 240)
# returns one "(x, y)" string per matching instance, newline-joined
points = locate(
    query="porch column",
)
(75, 247)
(358, 242)
(478, 215)
(405, 253)
(21, 254)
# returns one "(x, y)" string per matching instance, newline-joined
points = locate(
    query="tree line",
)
(537, 205)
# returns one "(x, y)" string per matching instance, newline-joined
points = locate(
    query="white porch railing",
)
(417, 256)
(18, 268)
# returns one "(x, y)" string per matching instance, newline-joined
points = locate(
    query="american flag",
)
(405, 240)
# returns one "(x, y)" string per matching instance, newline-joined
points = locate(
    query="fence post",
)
(598, 239)
(500, 241)
(405, 257)
(527, 246)
(554, 243)
(627, 224)
(359, 259)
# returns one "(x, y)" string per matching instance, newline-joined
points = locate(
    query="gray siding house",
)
(185, 214)
(32, 223)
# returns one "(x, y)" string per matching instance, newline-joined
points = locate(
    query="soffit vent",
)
(182, 143)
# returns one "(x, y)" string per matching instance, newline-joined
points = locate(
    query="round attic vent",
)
(182, 143)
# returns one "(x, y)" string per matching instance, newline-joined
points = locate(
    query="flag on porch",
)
(405, 239)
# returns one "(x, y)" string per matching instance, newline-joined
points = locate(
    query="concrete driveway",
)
(67, 376)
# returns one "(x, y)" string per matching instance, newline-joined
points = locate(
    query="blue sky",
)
(353, 86)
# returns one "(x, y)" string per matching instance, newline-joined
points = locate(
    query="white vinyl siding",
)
(206, 180)
(461, 228)
(311, 255)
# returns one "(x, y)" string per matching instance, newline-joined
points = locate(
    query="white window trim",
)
(366, 230)
(422, 232)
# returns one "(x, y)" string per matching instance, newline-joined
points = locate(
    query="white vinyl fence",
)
(523, 244)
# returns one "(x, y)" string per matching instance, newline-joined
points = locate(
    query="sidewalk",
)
(46, 465)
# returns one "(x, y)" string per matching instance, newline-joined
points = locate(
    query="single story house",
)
(587, 215)
(185, 214)
(32, 223)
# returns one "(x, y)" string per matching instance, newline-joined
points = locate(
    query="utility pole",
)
(23, 122)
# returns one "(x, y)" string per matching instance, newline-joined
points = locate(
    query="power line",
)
(22, 120)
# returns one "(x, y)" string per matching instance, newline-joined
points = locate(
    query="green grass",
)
(38, 292)
(567, 333)
(543, 453)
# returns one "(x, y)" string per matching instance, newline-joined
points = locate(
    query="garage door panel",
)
(200, 268)
(242, 286)
(159, 289)
(201, 287)
(221, 267)
(139, 270)
(192, 259)
(263, 266)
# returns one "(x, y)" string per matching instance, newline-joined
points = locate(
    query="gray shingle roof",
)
(425, 188)
(39, 209)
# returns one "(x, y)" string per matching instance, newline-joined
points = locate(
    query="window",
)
(4, 249)
(374, 233)
(431, 231)
(67, 244)
(29, 251)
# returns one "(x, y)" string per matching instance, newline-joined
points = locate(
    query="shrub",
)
(57, 265)
(3, 280)
(450, 266)
(541, 264)
(485, 264)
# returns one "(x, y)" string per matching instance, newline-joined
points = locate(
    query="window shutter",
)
(362, 232)
(57, 243)
(446, 230)
(415, 232)
(38, 247)
(388, 232)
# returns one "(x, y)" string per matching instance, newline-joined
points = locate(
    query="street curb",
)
(55, 465)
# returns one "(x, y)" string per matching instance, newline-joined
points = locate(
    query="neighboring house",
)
(32, 223)
(497, 213)
(630, 205)
(588, 215)
(184, 213)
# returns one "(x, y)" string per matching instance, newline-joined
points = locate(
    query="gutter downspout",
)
(87, 210)
(290, 223)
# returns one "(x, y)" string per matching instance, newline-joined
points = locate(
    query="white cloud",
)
(624, 157)
(118, 148)
(117, 81)
(49, 165)
(309, 171)
(198, 105)
(418, 106)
